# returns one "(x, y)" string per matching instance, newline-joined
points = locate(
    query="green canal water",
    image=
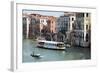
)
(75, 53)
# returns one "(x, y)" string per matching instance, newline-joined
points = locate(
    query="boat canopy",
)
(51, 42)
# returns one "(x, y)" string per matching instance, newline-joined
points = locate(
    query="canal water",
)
(75, 53)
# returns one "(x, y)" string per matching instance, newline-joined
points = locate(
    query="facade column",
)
(85, 22)
(27, 27)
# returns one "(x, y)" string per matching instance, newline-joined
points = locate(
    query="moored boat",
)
(50, 44)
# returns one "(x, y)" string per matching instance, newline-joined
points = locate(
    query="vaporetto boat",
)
(50, 44)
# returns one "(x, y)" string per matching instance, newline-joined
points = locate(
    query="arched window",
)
(87, 37)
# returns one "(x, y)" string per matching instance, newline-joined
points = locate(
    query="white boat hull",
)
(47, 44)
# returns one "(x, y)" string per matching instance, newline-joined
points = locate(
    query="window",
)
(73, 27)
(72, 19)
(24, 20)
(52, 22)
(86, 27)
(87, 14)
(87, 37)
(83, 35)
(41, 43)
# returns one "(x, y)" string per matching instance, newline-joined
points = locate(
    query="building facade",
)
(72, 27)
(82, 29)
(65, 25)
(34, 24)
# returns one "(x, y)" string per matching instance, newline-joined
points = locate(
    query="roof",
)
(52, 42)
